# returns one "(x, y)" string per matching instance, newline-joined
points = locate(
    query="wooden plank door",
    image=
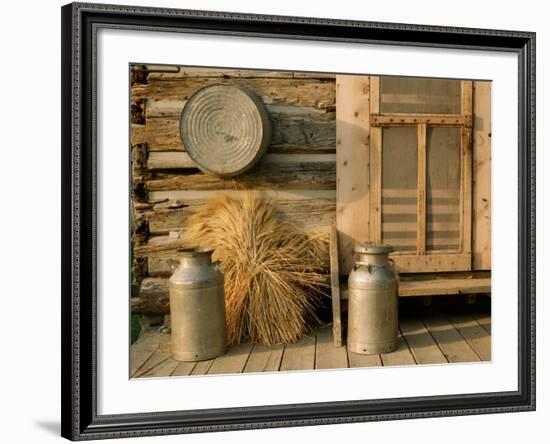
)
(421, 172)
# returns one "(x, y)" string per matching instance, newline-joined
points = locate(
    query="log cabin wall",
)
(299, 169)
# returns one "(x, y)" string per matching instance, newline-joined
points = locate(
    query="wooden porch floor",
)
(432, 339)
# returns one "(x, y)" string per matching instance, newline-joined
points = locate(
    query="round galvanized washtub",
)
(372, 311)
(225, 129)
(197, 307)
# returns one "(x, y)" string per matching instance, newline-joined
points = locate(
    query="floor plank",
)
(299, 355)
(435, 339)
(421, 342)
(264, 359)
(356, 360)
(183, 369)
(163, 369)
(401, 356)
(453, 346)
(326, 354)
(484, 320)
(157, 358)
(202, 367)
(143, 349)
(233, 361)
(476, 336)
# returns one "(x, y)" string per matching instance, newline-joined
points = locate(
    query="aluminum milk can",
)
(372, 311)
(197, 307)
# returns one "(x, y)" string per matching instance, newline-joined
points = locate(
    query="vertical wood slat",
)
(421, 185)
(481, 211)
(375, 165)
(335, 288)
(352, 160)
(466, 176)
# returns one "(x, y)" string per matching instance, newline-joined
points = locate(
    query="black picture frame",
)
(79, 171)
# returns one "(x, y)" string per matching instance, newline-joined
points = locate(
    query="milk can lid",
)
(373, 249)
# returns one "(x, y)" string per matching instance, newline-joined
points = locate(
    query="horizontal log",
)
(314, 75)
(164, 160)
(164, 221)
(158, 245)
(162, 266)
(318, 93)
(294, 128)
(160, 72)
(179, 197)
(272, 172)
(153, 297)
(165, 264)
(309, 215)
(168, 160)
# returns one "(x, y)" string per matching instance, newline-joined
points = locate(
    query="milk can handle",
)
(364, 264)
(394, 266)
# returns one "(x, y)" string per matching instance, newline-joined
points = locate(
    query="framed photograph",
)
(278, 221)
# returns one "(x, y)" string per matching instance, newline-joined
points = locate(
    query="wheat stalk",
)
(273, 271)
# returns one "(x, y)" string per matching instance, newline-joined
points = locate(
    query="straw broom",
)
(273, 271)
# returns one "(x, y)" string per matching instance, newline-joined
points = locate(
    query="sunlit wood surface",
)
(433, 339)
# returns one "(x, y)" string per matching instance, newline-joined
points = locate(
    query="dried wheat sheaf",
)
(273, 271)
